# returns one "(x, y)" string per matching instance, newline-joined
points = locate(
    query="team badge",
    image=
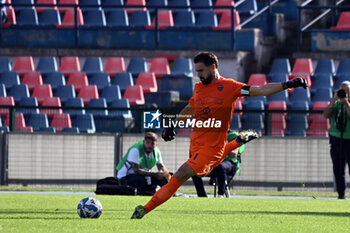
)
(220, 87)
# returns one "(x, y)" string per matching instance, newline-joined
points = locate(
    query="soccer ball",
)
(89, 207)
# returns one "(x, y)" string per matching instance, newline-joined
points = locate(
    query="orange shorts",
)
(204, 159)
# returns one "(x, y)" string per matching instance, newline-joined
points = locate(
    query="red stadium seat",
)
(134, 94)
(278, 120)
(303, 66)
(63, 9)
(20, 122)
(61, 121)
(228, 3)
(148, 82)
(165, 20)
(115, 65)
(87, 93)
(78, 80)
(257, 79)
(69, 65)
(42, 92)
(32, 79)
(6, 101)
(318, 105)
(160, 66)
(24, 65)
(343, 22)
(131, 10)
(68, 19)
(40, 9)
(53, 102)
(238, 106)
(225, 22)
(11, 17)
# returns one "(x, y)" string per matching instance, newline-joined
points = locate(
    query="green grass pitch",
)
(57, 213)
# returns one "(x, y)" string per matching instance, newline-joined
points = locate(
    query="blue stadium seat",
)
(30, 102)
(110, 124)
(300, 94)
(9, 79)
(341, 78)
(182, 66)
(236, 122)
(37, 121)
(280, 66)
(279, 96)
(19, 91)
(50, 17)
(47, 130)
(75, 103)
(101, 80)
(184, 18)
(253, 121)
(179, 3)
(321, 80)
(298, 105)
(5, 64)
(255, 103)
(15, 4)
(108, 5)
(86, 5)
(92, 65)
(323, 94)
(97, 103)
(111, 93)
(151, 4)
(55, 79)
(139, 19)
(123, 80)
(27, 16)
(162, 99)
(325, 66)
(343, 67)
(71, 130)
(278, 78)
(65, 93)
(206, 4)
(181, 83)
(117, 18)
(3, 92)
(85, 123)
(121, 103)
(94, 18)
(247, 8)
(206, 19)
(47, 65)
(4, 128)
(137, 65)
(297, 126)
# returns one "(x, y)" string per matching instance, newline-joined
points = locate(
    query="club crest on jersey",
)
(220, 87)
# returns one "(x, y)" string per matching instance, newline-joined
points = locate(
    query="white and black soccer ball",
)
(89, 207)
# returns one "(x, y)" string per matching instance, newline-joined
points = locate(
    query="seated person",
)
(135, 167)
(228, 167)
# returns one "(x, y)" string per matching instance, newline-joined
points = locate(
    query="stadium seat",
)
(343, 67)
(159, 66)
(253, 121)
(51, 102)
(19, 91)
(117, 18)
(68, 20)
(121, 103)
(257, 80)
(184, 19)
(42, 92)
(49, 17)
(97, 103)
(182, 66)
(5, 64)
(181, 83)
(148, 82)
(92, 65)
(238, 107)
(325, 66)
(134, 94)
(343, 23)
(110, 5)
(78, 80)
(46, 65)
(9, 79)
(65, 92)
(94, 18)
(303, 66)
(32, 79)
(280, 66)
(70, 130)
(131, 10)
(62, 8)
(23, 65)
(87, 93)
(341, 78)
(165, 20)
(225, 22)
(255, 100)
(236, 123)
(101, 80)
(323, 94)
(206, 19)
(111, 93)
(297, 126)
(318, 106)
(300, 94)
(3, 91)
(278, 78)
(69, 65)
(179, 3)
(156, 3)
(40, 9)
(322, 80)
(61, 121)
(163, 99)
(11, 17)
(279, 96)
(139, 19)
(85, 123)
(123, 80)
(38, 121)
(202, 4)
(6, 101)
(278, 121)
(22, 4)
(20, 121)
(55, 79)
(87, 5)
(74, 103)
(27, 17)
(223, 3)
(28, 106)
(136, 66)
(115, 65)
(247, 8)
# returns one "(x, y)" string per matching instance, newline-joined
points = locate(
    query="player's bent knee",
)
(184, 173)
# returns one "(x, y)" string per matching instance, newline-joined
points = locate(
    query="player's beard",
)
(208, 80)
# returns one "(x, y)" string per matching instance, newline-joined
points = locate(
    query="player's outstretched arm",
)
(272, 88)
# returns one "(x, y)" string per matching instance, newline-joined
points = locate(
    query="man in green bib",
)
(229, 167)
(135, 167)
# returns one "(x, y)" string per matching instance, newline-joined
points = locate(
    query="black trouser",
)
(340, 154)
(137, 181)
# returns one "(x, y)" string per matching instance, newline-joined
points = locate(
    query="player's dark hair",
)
(152, 136)
(207, 58)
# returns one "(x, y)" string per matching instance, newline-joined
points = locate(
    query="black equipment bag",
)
(110, 186)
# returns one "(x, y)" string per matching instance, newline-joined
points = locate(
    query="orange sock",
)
(163, 194)
(231, 146)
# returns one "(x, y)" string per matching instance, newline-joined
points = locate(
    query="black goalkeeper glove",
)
(169, 134)
(297, 82)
